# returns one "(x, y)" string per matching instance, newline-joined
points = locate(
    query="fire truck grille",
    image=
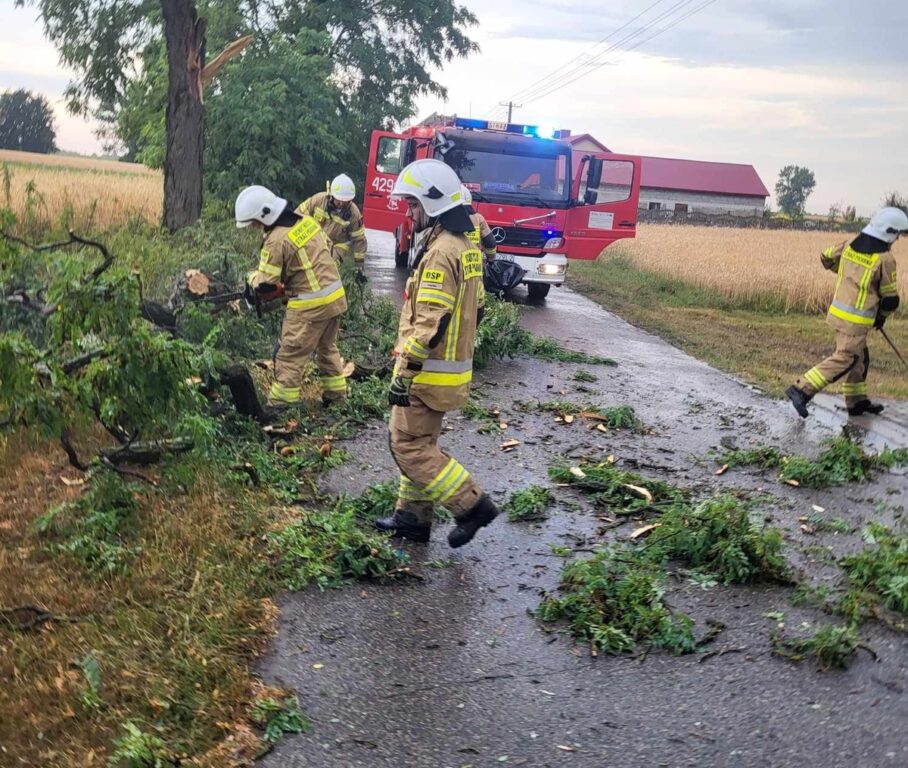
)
(525, 237)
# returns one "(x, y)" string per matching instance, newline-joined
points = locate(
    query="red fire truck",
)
(545, 202)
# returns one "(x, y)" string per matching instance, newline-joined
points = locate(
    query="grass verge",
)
(743, 337)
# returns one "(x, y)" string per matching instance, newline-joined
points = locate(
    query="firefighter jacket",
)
(437, 329)
(344, 229)
(482, 237)
(299, 257)
(866, 286)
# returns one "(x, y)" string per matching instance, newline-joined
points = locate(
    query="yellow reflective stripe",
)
(414, 348)
(358, 232)
(858, 388)
(889, 287)
(409, 491)
(340, 221)
(453, 335)
(447, 482)
(269, 269)
(320, 214)
(284, 394)
(817, 379)
(308, 271)
(305, 302)
(862, 289)
(453, 486)
(438, 379)
(851, 317)
(430, 295)
(341, 246)
(441, 476)
(333, 383)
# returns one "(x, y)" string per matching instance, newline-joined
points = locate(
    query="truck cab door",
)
(606, 193)
(388, 154)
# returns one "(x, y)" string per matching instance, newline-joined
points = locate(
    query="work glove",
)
(269, 291)
(360, 276)
(880, 320)
(399, 393)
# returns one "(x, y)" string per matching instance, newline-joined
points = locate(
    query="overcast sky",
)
(821, 83)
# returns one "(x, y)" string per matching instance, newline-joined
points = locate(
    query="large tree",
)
(365, 63)
(793, 188)
(26, 122)
(103, 39)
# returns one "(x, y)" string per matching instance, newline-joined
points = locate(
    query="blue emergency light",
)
(539, 132)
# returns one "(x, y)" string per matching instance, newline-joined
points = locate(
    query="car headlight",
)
(554, 242)
(551, 269)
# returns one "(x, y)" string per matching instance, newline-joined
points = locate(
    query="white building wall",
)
(703, 202)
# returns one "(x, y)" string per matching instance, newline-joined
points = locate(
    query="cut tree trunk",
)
(184, 33)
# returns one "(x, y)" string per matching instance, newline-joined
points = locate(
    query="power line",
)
(672, 25)
(597, 61)
(581, 55)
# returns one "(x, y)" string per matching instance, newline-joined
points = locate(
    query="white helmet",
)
(433, 183)
(467, 195)
(887, 224)
(258, 204)
(342, 188)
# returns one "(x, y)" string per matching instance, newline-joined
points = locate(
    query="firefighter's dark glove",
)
(249, 295)
(399, 393)
(879, 321)
(360, 276)
(269, 291)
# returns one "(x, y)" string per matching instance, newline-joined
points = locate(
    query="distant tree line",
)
(26, 122)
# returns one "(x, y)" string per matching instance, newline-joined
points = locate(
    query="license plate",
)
(505, 257)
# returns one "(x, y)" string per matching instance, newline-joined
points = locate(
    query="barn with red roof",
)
(692, 186)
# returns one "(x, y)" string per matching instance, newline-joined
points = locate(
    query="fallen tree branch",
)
(128, 472)
(70, 366)
(145, 453)
(74, 460)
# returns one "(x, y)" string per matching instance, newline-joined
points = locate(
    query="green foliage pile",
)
(619, 491)
(528, 504)
(277, 717)
(615, 417)
(327, 548)
(876, 576)
(841, 461)
(832, 647)
(615, 600)
(719, 536)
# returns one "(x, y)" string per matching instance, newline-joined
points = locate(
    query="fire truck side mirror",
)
(594, 173)
(590, 196)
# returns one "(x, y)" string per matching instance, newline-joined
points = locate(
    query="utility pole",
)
(511, 106)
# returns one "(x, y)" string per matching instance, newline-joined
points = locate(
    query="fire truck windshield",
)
(500, 169)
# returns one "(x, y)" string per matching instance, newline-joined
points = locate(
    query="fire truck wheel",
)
(538, 290)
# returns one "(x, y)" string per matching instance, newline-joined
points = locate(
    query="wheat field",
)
(750, 265)
(79, 192)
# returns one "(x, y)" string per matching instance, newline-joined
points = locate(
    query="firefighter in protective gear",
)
(434, 364)
(340, 219)
(866, 294)
(296, 256)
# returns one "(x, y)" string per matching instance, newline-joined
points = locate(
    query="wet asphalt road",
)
(452, 671)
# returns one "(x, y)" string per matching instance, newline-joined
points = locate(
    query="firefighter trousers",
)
(428, 476)
(300, 339)
(850, 362)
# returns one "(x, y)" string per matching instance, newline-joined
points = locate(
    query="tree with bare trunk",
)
(103, 40)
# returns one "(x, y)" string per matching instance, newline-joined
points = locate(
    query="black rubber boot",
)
(404, 525)
(865, 406)
(799, 400)
(479, 515)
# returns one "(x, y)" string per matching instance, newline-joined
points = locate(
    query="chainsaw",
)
(265, 298)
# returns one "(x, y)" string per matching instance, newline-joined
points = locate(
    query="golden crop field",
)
(79, 192)
(745, 264)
